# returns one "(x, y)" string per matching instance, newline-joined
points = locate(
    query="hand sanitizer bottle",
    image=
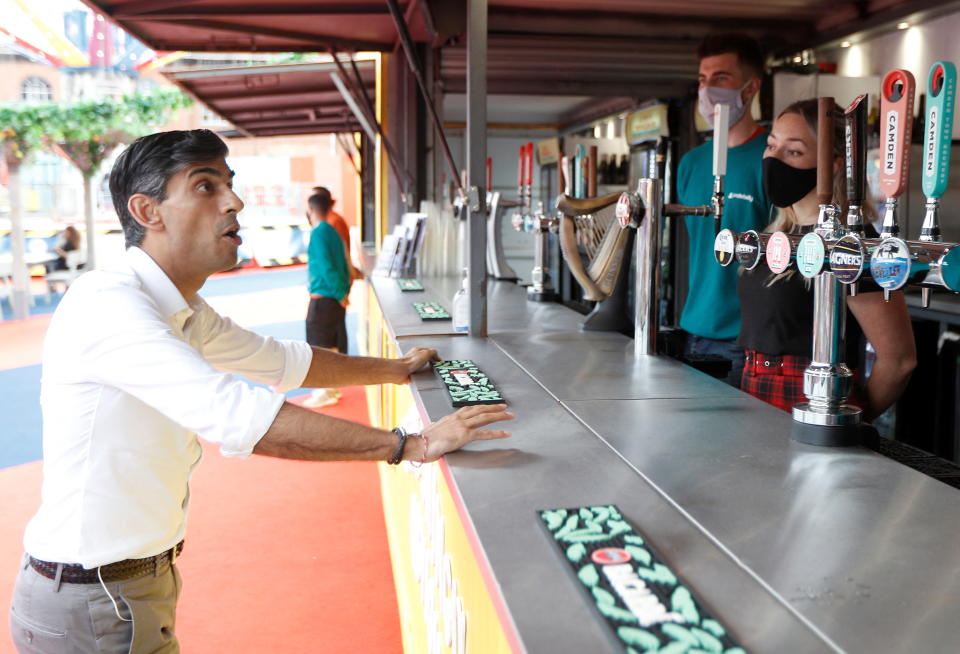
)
(461, 307)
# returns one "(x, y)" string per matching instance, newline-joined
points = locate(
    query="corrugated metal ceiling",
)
(276, 100)
(597, 48)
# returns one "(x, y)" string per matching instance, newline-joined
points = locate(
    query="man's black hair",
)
(149, 163)
(322, 190)
(749, 53)
(320, 203)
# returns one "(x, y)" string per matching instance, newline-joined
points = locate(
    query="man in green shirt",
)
(731, 68)
(329, 284)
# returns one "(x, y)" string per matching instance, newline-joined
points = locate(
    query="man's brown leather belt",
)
(119, 571)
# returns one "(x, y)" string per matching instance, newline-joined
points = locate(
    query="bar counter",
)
(794, 548)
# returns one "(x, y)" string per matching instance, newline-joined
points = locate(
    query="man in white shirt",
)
(136, 366)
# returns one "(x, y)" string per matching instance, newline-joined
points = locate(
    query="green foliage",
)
(88, 131)
(23, 130)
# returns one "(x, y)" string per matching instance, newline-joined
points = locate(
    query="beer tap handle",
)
(721, 133)
(896, 114)
(567, 177)
(825, 115)
(856, 160)
(489, 174)
(938, 130)
(660, 157)
(578, 171)
(520, 176)
(530, 168)
(941, 88)
(925, 297)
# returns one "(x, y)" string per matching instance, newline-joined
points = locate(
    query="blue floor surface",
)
(20, 422)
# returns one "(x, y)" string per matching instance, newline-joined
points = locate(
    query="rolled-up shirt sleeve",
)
(137, 352)
(281, 364)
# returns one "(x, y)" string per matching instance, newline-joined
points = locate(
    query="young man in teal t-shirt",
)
(329, 283)
(731, 67)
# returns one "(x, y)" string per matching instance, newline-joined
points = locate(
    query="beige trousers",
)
(80, 618)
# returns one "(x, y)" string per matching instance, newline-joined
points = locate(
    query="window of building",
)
(35, 89)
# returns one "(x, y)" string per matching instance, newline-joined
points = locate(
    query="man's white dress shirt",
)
(132, 374)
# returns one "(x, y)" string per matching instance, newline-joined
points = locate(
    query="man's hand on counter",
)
(459, 428)
(414, 361)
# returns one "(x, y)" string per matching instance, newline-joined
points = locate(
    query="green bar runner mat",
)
(640, 598)
(410, 284)
(466, 384)
(431, 311)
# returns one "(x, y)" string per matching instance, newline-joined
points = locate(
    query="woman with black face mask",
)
(777, 310)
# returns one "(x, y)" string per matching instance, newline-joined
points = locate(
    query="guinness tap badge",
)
(723, 247)
(847, 258)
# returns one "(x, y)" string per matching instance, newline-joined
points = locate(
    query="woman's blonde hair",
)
(786, 219)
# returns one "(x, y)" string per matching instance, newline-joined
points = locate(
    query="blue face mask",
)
(709, 96)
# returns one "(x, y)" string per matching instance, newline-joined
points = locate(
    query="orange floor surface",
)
(280, 556)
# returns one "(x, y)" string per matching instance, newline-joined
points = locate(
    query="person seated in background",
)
(69, 241)
(776, 324)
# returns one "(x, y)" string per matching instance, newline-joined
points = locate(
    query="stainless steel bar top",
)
(796, 548)
(508, 308)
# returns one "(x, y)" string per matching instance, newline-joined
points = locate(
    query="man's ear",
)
(145, 210)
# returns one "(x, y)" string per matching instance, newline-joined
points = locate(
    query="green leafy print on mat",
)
(454, 364)
(588, 525)
(698, 635)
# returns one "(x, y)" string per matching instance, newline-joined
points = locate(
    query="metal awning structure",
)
(640, 48)
(277, 100)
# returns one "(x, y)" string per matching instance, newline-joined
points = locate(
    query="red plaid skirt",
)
(778, 380)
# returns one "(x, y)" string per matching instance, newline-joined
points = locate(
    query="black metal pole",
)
(404, 33)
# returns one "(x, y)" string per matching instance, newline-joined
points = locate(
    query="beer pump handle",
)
(520, 163)
(567, 177)
(578, 155)
(529, 167)
(660, 158)
(825, 115)
(896, 116)
(721, 134)
(489, 174)
(856, 149)
(938, 128)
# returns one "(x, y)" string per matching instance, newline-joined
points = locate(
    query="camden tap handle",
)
(825, 113)
(938, 128)
(856, 149)
(896, 117)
